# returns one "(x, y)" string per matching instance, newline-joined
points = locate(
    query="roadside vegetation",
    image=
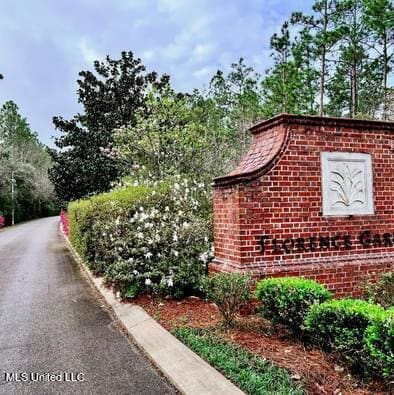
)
(146, 239)
(342, 345)
(250, 373)
(134, 170)
(25, 189)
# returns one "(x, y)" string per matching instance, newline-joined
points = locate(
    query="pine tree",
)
(291, 84)
(353, 60)
(379, 18)
(323, 35)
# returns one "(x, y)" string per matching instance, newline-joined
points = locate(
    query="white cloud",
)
(148, 55)
(48, 42)
(204, 72)
(88, 53)
(202, 51)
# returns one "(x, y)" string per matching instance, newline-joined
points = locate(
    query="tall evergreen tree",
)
(246, 103)
(276, 86)
(110, 97)
(352, 61)
(290, 86)
(323, 35)
(379, 18)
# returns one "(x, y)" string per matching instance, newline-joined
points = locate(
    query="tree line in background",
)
(25, 189)
(335, 61)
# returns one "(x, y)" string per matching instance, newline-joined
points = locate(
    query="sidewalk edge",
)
(188, 372)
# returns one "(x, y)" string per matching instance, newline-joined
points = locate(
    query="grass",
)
(252, 374)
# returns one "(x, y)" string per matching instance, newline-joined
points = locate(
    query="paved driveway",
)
(52, 323)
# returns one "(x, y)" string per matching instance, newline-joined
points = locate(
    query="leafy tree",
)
(110, 97)
(178, 134)
(25, 190)
(291, 84)
(246, 102)
(277, 90)
(232, 104)
(167, 139)
(390, 104)
(236, 99)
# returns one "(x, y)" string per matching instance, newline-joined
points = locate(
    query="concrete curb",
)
(189, 373)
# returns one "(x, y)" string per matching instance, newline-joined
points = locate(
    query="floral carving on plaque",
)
(346, 183)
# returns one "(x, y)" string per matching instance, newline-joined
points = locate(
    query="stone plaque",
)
(346, 183)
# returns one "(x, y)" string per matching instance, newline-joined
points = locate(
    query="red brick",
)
(276, 190)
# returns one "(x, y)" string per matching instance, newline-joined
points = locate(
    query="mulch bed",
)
(320, 373)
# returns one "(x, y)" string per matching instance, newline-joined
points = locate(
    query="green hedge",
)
(249, 372)
(340, 325)
(287, 300)
(147, 238)
(379, 338)
(87, 217)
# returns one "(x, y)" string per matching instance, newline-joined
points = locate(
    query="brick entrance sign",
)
(313, 197)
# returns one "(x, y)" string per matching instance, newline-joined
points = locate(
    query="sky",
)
(45, 43)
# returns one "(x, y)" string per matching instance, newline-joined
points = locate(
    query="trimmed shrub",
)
(229, 292)
(287, 300)
(340, 325)
(381, 292)
(146, 238)
(379, 339)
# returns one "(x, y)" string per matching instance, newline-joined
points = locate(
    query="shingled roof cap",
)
(266, 147)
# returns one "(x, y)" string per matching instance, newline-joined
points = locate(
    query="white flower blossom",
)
(143, 217)
(148, 281)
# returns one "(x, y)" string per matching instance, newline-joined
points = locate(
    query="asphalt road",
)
(51, 321)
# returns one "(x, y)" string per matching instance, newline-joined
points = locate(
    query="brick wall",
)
(276, 192)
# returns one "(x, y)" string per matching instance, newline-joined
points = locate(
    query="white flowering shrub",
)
(147, 238)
